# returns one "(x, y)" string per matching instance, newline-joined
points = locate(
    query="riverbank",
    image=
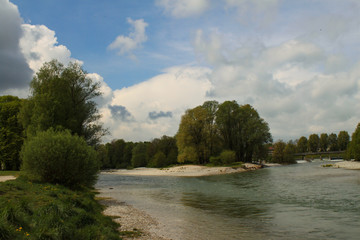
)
(6, 178)
(134, 223)
(184, 171)
(348, 165)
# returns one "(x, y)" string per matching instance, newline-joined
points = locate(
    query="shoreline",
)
(184, 171)
(6, 178)
(351, 165)
(134, 223)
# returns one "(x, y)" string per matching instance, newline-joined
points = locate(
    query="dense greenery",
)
(45, 211)
(353, 151)
(205, 131)
(284, 153)
(11, 133)
(62, 98)
(160, 152)
(59, 157)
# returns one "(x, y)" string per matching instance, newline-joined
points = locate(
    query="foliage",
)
(11, 133)
(333, 143)
(343, 140)
(62, 98)
(228, 157)
(139, 158)
(353, 151)
(324, 142)
(59, 157)
(302, 145)
(166, 145)
(159, 160)
(44, 211)
(284, 153)
(313, 142)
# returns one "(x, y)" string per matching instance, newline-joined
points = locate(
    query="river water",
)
(301, 201)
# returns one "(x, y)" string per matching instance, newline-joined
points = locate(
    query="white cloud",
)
(39, 45)
(183, 8)
(127, 44)
(289, 84)
(167, 96)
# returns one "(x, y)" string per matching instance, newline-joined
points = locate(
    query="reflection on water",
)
(303, 201)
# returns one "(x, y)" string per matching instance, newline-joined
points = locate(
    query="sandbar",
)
(352, 165)
(5, 178)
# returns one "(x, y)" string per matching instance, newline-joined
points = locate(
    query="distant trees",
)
(62, 98)
(313, 143)
(284, 153)
(11, 133)
(333, 142)
(324, 142)
(343, 140)
(302, 145)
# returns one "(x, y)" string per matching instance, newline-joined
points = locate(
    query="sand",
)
(184, 171)
(348, 165)
(5, 178)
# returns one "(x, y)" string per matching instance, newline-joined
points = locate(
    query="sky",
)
(296, 62)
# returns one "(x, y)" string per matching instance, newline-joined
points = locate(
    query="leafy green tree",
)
(211, 131)
(159, 160)
(63, 98)
(343, 140)
(59, 157)
(139, 157)
(324, 142)
(279, 152)
(191, 136)
(313, 142)
(289, 152)
(228, 157)
(302, 145)
(242, 130)
(333, 143)
(11, 133)
(353, 151)
(166, 145)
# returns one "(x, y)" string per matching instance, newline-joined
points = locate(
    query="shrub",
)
(59, 157)
(228, 156)
(159, 160)
(215, 160)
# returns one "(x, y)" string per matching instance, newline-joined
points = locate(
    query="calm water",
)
(302, 201)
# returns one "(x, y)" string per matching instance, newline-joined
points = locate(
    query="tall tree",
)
(324, 142)
(11, 133)
(63, 98)
(191, 136)
(353, 151)
(343, 140)
(333, 143)
(313, 142)
(302, 145)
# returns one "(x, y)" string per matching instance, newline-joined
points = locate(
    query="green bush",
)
(159, 160)
(59, 157)
(228, 157)
(215, 160)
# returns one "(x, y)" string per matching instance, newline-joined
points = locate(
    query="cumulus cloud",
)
(175, 90)
(127, 44)
(155, 115)
(183, 8)
(15, 72)
(288, 83)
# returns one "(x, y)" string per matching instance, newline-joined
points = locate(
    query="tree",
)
(242, 130)
(62, 98)
(289, 152)
(353, 151)
(324, 142)
(59, 157)
(313, 143)
(284, 153)
(139, 157)
(165, 145)
(11, 133)
(191, 136)
(302, 145)
(343, 140)
(333, 143)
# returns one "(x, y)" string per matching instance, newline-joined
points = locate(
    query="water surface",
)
(302, 201)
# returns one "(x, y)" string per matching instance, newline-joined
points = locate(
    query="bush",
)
(159, 160)
(227, 157)
(59, 157)
(215, 160)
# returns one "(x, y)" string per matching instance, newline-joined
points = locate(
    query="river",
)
(301, 201)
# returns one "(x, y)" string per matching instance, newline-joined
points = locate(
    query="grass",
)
(45, 211)
(9, 173)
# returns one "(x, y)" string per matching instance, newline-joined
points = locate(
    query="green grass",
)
(9, 173)
(45, 211)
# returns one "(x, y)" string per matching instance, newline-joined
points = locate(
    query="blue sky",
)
(296, 62)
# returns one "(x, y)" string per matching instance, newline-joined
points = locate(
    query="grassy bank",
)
(9, 173)
(45, 211)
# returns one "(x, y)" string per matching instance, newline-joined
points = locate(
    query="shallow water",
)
(302, 201)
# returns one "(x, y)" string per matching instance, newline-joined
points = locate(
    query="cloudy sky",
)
(296, 62)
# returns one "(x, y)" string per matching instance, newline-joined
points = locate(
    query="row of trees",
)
(323, 143)
(160, 152)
